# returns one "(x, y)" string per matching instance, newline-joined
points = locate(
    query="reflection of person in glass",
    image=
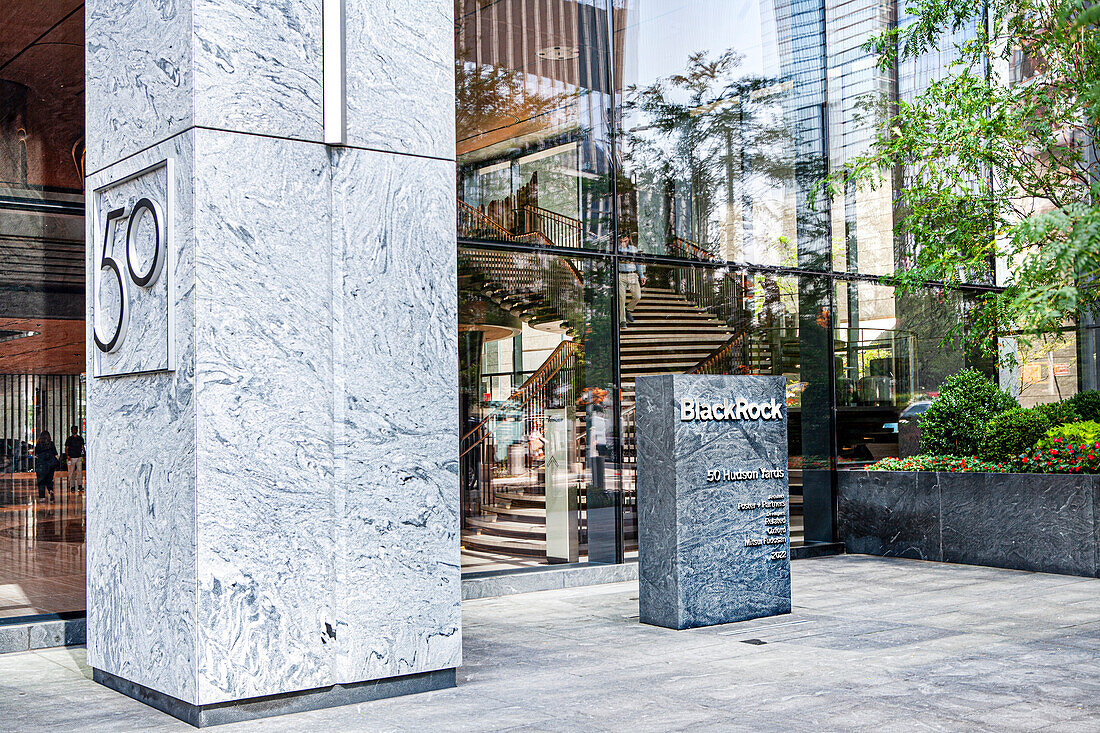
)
(45, 463)
(535, 443)
(631, 280)
(595, 402)
(74, 454)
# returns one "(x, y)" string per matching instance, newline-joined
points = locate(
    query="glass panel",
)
(720, 131)
(858, 90)
(891, 357)
(532, 122)
(41, 307)
(706, 320)
(1043, 371)
(875, 370)
(540, 479)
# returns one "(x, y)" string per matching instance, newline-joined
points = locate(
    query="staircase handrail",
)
(489, 221)
(539, 211)
(568, 222)
(693, 248)
(543, 239)
(734, 341)
(526, 391)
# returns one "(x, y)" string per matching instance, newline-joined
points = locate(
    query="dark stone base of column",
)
(271, 705)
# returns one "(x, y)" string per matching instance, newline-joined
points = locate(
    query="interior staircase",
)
(514, 525)
(669, 335)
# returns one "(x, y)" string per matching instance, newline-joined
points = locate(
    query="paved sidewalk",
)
(873, 644)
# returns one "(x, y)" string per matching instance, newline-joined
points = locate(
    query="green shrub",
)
(1059, 413)
(1081, 435)
(953, 464)
(1087, 404)
(1013, 432)
(955, 423)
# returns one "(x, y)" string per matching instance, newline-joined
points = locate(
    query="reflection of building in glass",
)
(532, 120)
(693, 137)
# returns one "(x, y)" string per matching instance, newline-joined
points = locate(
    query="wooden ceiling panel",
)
(23, 21)
(57, 346)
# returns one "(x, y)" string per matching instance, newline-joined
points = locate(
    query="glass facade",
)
(41, 308)
(635, 185)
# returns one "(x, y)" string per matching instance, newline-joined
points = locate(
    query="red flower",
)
(1025, 459)
(1057, 440)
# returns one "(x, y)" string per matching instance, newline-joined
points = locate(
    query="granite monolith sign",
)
(713, 515)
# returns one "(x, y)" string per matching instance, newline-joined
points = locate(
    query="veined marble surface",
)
(138, 76)
(400, 76)
(1047, 523)
(264, 409)
(145, 344)
(280, 513)
(319, 520)
(258, 66)
(142, 485)
(397, 492)
(154, 69)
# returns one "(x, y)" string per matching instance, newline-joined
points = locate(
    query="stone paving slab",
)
(872, 644)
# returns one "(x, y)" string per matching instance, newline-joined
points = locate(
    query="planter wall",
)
(1045, 523)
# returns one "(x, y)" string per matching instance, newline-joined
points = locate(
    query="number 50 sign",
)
(129, 246)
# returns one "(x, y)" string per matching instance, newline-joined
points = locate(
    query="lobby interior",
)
(42, 332)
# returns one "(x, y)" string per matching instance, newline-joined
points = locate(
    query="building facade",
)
(347, 300)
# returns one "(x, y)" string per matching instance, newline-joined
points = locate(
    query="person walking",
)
(45, 463)
(74, 454)
(631, 280)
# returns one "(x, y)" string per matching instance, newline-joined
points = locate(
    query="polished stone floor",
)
(41, 547)
(873, 645)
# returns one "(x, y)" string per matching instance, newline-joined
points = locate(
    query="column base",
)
(251, 708)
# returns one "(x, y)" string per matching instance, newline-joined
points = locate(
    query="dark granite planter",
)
(1022, 521)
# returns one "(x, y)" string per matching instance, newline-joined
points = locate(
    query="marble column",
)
(273, 476)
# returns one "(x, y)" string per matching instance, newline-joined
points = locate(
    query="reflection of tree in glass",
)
(695, 141)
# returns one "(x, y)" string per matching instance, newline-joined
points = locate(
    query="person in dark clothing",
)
(45, 463)
(74, 455)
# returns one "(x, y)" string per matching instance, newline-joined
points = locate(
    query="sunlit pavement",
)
(873, 644)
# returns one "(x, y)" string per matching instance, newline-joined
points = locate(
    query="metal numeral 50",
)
(145, 280)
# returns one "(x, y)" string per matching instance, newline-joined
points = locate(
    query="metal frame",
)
(334, 72)
(746, 267)
(92, 271)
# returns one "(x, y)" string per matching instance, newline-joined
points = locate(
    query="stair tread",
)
(669, 307)
(642, 364)
(643, 349)
(511, 544)
(662, 316)
(519, 511)
(676, 324)
(521, 496)
(674, 338)
(512, 530)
